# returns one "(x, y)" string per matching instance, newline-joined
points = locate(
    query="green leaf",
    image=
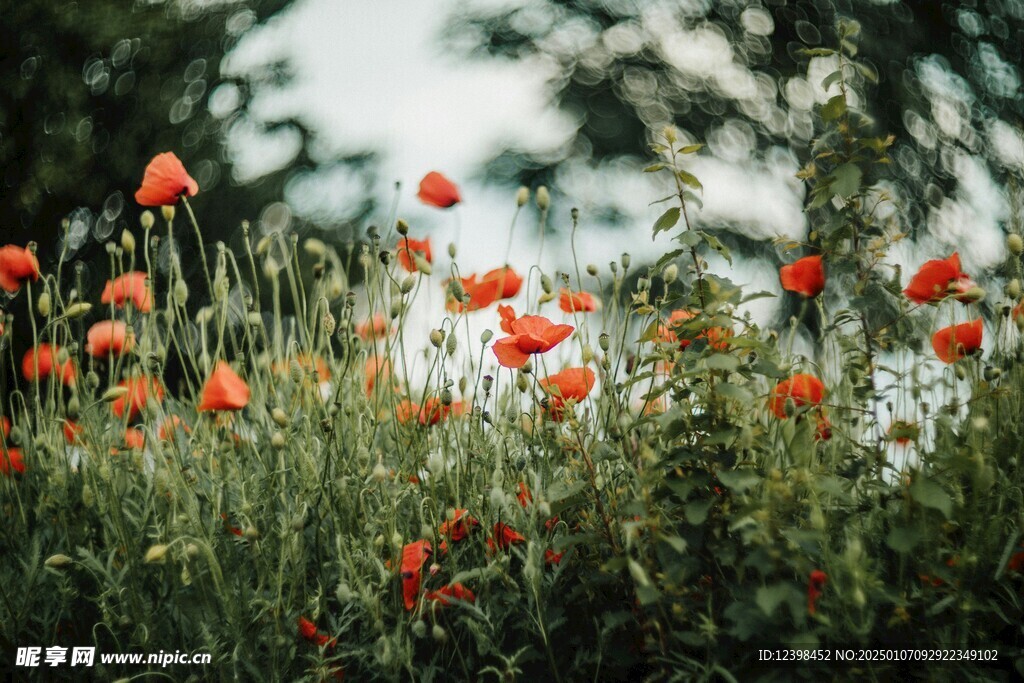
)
(667, 221)
(903, 539)
(867, 71)
(738, 480)
(846, 180)
(834, 108)
(721, 361)
(697, 511)
(689, 179)
(930, 494)
(717, 245)
(833, 77)
(816, 52)
(734, 392)
(678, 544)
(768, 598)
(651, 332)
(690, 149)
(655, 167)
(690, 238)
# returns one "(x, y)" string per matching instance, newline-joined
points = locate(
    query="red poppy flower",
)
(433, 411)
(140, 391)
(307, 362)
(409, 248)
(308, 631)
(448, 595)
(805, 276)
(530, 334)
(73, 432)
(1016, 563)
(815, 588)
(903, 432)
(505, 537)
(551, 558)
(823, 428)
(134, 438)
(804, 389)
(377, 370)
(17, 264)
(508, 316)
(224, 390)
(413, 557)
(231, 529)
(481, 295)
(169, 429)
(106, 336)
(459, 526)
(572, 384)
(524, 494)
(571, 302)
(164, 181)
(13, 460)
(374, 329)
(956, 341)
(5, 427)
(936, 279)
(406, 410)
(509, 282)
(45, 356)
(132, 287)
(436, 190)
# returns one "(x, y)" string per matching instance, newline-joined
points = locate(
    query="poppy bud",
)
(446, 394)
(670, 273)
(350, 299)
(43, 304)
(575, 213)
(436, 338)
(449, 345)
(379, 473)
(521, 383)
(407, 284)
(167, 211)
(423, 266)
(972, 295)
(545, 284)
(384, 257)
(128, 241)
(527, 367)
(591, 270)
(1013, 288)
(180, 292)
(396, 308)
(110, 247)
(625, 260)
(463, 383)
(329, 323)
(277, 440)
(92, 380)
(113, 393)
(156, 553)
(1015, 244)
(57, 561)
(146, 219)
(419, 628)
(790, 406)
(488, 383)
(960, 372)
(402, 227)
(543, 198)
(438, 633)
(74, 408)
(486, 336)
(522, 196)
(992, 374)
(550, 296)
(77, 310)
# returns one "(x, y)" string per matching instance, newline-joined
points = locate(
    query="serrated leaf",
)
(930, 494)
(667, 221)
(689, 179)
(846, 180)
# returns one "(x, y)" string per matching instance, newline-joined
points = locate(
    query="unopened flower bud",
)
(486, 336)
(57, 561)
(251, 533)
(436, 338)
(1013, 288)
(591, 270)
(147, 219)
(402, 227)
(545, 284)
(1015, 244)
(330, 324)
(113, 393)
(960, 372)
(92, 380)
(643, 284)
(407, 284)
(522, 196)
(625, 260)
(527, 367)
(379, 473)
(156, 553)
(992, 373)
(180, 292)
(670, 273)
(277, 440)
(422, 265)
(438, 633)
(396, 308)
(588, 354)
(280, 417)
(604, 341)
(543, 198)
(973, 295)
(315, 247)
(449, 344)
(670, 134)
(521, 383)
(43, 304)
(77, 310)
(419, 628)
(167, 212)
(127, 241)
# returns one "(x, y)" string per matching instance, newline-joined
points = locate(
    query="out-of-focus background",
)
(303, 115)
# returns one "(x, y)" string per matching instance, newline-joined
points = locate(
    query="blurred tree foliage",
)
(90, 91)
(943, 77)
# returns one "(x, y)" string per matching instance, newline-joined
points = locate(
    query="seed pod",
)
(446, 397)
(486, 336)
(625, 260)
(436, 338)
(604, 341)
(488, 383)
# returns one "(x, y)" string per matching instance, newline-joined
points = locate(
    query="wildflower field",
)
(622, 478)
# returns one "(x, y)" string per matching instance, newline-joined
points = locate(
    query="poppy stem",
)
(202, 249)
